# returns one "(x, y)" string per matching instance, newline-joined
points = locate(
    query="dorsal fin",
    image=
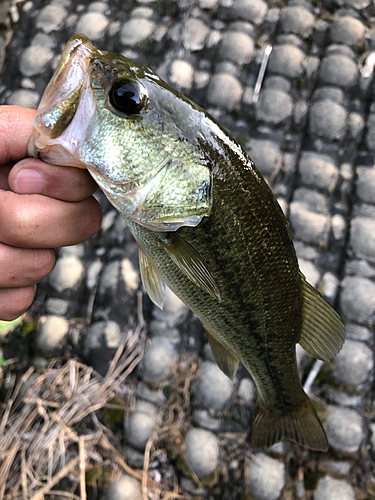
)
(225, 359)
(151, 279)
(323, 332)
(190, 262)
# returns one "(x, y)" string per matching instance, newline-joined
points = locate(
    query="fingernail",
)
(29, 181)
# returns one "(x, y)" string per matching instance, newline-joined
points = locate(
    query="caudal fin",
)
(302, 426)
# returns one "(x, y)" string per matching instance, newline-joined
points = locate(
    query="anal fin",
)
(151, 279)
(302, 426)
(225, 359)
(323, 332)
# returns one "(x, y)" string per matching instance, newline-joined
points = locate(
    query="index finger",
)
(15, 129)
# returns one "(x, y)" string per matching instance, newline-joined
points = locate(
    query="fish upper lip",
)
(73, 67)
(70, 74)
(70, 77)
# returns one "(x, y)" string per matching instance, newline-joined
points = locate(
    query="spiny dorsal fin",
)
(151, 279)
(225, 359)
(323, 332)
(191, 263)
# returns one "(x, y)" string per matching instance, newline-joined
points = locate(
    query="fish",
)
(206, 222)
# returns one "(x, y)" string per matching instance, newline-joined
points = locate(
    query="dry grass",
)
(53, 431)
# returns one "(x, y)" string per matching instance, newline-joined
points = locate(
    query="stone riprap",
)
(311, 131)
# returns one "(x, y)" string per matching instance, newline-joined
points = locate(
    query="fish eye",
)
(126, 97)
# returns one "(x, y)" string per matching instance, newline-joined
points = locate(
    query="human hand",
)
(42, 206)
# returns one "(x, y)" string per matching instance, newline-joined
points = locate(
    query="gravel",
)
(202, 451)
(357, 332)
(324, 93)
(287, 60)
(51, 18)
(237, 47)
(362, 238)
(339, 467)
(67, 274)
(140, 424)
(158, 360)
(370, 137)
(318, 170)
(98, 7)
(338, 70)
(58, 307)
(208, 4)
(274, 106)
(247, 390)
(109, 277)
(25, 98)
(266, 155)
(333, 489)
(277, 82)
(225, 90)
(357, 4)
(266, 477)
(357, 298)
(296, 19)
(345, 429)
(354, 364)
(194, 34)
(34, 60)
(52, 335)
(308, 226)
(182, 74)
(157, 397)
(347, 30)
(327, 120)
(251, 10)
(213, 389)
(93, 25)
(136, 31)
(125, 488)
(130, 276)
(312, 200)
(365, 184)
(205, 420)
(356, 125)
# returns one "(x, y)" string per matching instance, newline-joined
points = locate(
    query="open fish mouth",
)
(53, 139)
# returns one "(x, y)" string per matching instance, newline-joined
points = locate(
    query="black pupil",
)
(125, 97)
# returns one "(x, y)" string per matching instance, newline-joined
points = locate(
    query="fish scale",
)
(206, 222)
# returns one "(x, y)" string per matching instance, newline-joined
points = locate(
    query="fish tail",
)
(301, 425)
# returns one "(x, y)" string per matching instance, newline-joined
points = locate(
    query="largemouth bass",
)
(207, 224)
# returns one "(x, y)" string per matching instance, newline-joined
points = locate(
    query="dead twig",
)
(60, 475)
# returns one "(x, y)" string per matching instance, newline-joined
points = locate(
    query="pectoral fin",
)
(225, 359)
(323, 332)
(191, 263)
(151, 279)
